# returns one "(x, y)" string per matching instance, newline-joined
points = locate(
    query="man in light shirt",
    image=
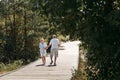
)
(54, 43)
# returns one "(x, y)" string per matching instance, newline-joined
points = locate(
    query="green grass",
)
(9, 67)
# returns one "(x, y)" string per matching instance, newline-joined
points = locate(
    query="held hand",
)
(45, 48)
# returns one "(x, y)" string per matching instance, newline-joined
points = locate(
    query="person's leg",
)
(56, 55)
(44, 59)
(51, 56)
(55, 60)
(42, 54)
(51, 60)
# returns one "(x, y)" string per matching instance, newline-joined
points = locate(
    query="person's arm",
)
(49, 44)
(39, 46)
(59, 44)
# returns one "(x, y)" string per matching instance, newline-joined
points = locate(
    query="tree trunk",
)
(14, 31)
(25, 31)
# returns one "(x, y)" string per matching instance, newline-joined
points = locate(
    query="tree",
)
(96, 24)
(22, 24)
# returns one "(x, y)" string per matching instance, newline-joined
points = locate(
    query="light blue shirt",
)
(42, 46)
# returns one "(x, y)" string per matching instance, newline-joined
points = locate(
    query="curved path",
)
(66, 63)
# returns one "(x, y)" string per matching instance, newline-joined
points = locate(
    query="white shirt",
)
(54, 43)
(42, 46)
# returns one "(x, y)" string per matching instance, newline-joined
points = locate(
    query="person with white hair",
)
(42, 46)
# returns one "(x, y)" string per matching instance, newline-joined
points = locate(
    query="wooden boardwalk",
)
(66, 63)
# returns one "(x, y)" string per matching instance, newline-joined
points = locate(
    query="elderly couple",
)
(54, 43)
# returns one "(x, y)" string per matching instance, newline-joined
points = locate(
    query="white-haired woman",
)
(42, 46)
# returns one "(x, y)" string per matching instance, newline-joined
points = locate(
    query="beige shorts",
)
(54, 52)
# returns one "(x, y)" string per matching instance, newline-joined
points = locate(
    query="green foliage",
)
(102, 40)
(11, 66)
(21, 25)
(96, 23)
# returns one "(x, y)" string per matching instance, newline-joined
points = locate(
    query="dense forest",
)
(22, 24)
(94, 22)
